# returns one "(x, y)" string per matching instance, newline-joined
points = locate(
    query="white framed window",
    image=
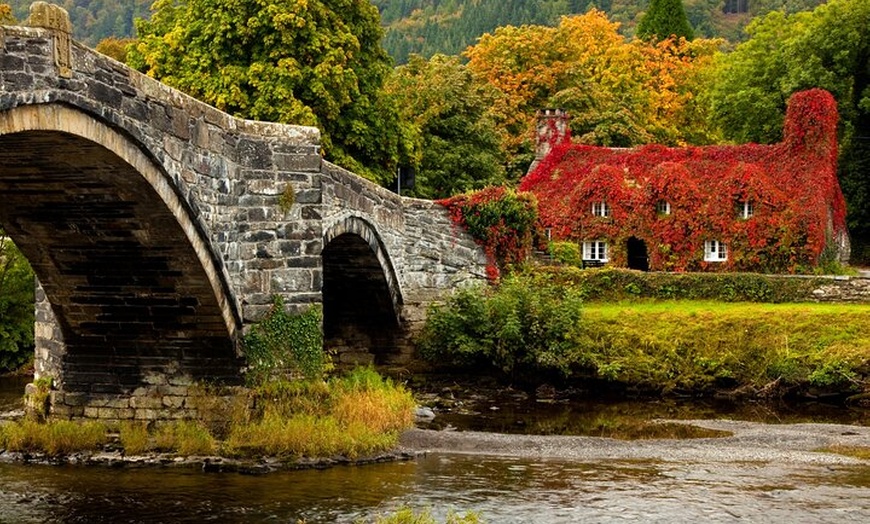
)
(595, 250)
(663, 207)
(745, 209)
(600, 209)
(715, 251)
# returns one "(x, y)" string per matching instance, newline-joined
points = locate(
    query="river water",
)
(671, 487)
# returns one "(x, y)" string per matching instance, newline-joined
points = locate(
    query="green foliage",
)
(310, 62)
(452, 139)
(567, 253)
(284, 343)
(663, 19)
(115, 47)
(287, 198)
(359, 414)
(408, 515)
(531, 326)
(517, 328)
(16, 306)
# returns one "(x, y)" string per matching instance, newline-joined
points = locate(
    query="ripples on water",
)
(502, 490)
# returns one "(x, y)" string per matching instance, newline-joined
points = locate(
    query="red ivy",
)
(798, 205)
(499, 219)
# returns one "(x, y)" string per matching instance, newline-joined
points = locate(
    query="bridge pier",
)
(160, 230)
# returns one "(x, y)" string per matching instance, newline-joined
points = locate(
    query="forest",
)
(427, 27)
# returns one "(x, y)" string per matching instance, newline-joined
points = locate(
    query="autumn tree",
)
(827, 48)
(115, 47)
(311, 62)
(664, 19)
(455, 146)
(6, 17)
(618, 93)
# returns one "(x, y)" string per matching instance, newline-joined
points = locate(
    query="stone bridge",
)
(160, 227)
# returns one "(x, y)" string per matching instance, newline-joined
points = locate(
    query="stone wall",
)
(843, 290)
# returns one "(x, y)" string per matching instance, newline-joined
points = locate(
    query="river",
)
(764, 473)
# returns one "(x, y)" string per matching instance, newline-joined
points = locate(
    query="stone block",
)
(151, 402)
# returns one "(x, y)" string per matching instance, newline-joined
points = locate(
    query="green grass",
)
(695, 344)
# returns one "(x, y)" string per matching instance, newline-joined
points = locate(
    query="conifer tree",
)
(663, 19)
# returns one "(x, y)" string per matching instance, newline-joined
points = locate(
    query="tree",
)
(6, 17)
(827, 48)
(618, 93)
(663, 19)
(16, 306)
(310, 62)
(115, 47)
(454, 142)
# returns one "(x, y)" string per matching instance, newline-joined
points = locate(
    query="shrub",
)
(520, 325)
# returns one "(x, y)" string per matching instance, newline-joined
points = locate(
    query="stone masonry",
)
(156, 227)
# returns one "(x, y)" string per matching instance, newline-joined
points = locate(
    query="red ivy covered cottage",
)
(770, 208)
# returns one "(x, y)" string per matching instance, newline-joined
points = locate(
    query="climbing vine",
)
(797, 207)
(501, 220)
(286, 344)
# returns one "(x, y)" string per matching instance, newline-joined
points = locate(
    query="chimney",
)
(551, 129)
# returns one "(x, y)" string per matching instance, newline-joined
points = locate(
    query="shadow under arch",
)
(133, 282)
(362, 299)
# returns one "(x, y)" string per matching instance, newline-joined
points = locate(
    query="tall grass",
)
(354, 415)
(54, 438)
(359, 414)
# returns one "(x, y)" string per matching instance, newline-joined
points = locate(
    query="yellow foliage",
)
(618, 92)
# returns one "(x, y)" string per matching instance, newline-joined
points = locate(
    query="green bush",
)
(566, 253)
(16, 307)
(518, 326)
(285, 343)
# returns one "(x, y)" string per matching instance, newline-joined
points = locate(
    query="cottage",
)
(767, 208)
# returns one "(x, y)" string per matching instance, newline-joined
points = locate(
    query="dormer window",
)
(663, 207)
(600, 209)
(745, 209)
(715, 251)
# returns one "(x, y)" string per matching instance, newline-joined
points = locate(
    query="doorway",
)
(638, 258)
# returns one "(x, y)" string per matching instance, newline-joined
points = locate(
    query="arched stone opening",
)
(132, 285)
(360, 318)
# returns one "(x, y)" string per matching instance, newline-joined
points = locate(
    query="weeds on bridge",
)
(284, 343)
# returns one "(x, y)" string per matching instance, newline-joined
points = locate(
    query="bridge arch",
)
(362, 297)
(132, 279)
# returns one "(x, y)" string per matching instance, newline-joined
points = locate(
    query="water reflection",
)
(503, 490)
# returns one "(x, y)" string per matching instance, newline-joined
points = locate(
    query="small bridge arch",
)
(362, 296)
